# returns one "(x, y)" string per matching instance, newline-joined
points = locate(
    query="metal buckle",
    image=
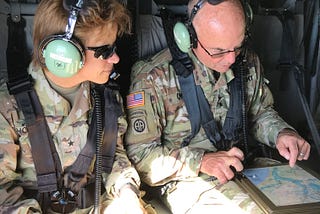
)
(63, 201)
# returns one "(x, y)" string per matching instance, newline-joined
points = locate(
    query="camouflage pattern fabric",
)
(69, 131)
(208, 195)
(158, 119)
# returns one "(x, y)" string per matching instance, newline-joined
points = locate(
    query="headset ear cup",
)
(62, 57)
(182, 37)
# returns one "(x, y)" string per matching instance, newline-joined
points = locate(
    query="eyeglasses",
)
(103, 52)
(221, 53)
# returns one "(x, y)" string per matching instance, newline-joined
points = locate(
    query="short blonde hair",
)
(51, 18)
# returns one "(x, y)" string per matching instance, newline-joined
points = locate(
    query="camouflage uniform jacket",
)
(159, 119)
(69, 131)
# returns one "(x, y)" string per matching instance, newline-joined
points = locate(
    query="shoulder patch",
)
(135, 99)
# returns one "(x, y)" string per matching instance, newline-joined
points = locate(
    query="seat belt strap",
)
(18, 77)
(20, 85)
(113, 111)
(233, 122)
(40, 142)
(231, 129)
(84, 160)
(207, 121)
(200, 113)
(189, 93)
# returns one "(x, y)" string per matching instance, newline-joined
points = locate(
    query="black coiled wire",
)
(98, 164)
(243, 71)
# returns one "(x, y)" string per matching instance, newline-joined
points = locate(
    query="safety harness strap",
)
(20, 85)
(231, 129)
(189, 93)
(81, 165)
(233, 123)
(113, 111)
(18, 78)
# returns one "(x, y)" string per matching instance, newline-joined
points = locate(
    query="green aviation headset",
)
(185, 35)
(63, 54)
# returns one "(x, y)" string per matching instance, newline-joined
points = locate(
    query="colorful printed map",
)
(284, 185)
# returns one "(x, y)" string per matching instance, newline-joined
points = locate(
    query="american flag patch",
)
(135, 99)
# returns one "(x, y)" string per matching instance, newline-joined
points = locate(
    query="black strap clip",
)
(63, 201)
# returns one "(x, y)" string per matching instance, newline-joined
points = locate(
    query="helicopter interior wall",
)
(266, 39)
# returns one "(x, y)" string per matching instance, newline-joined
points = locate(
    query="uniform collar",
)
(54, 104)
(203, 74)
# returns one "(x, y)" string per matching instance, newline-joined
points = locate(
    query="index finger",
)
(293, 152)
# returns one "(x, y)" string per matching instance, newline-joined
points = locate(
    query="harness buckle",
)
(63, 201)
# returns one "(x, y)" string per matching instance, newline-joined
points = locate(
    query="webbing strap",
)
(18, 78)
(41, 143)
(200, 113)
(20, 85)
(189, 95)
(208, 123)
(112, 110)
(230, 131)
(81, 165)
(233, 123)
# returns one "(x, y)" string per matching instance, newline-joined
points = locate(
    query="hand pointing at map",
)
(292, 146)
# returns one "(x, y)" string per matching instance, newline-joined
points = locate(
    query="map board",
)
(282, 189)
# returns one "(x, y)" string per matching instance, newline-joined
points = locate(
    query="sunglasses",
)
(103, 52)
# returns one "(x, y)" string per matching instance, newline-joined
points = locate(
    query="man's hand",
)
(218, 164)
(292, 146)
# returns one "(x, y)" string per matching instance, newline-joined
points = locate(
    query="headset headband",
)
(198, 6)
(74, 11)
(195, 9)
